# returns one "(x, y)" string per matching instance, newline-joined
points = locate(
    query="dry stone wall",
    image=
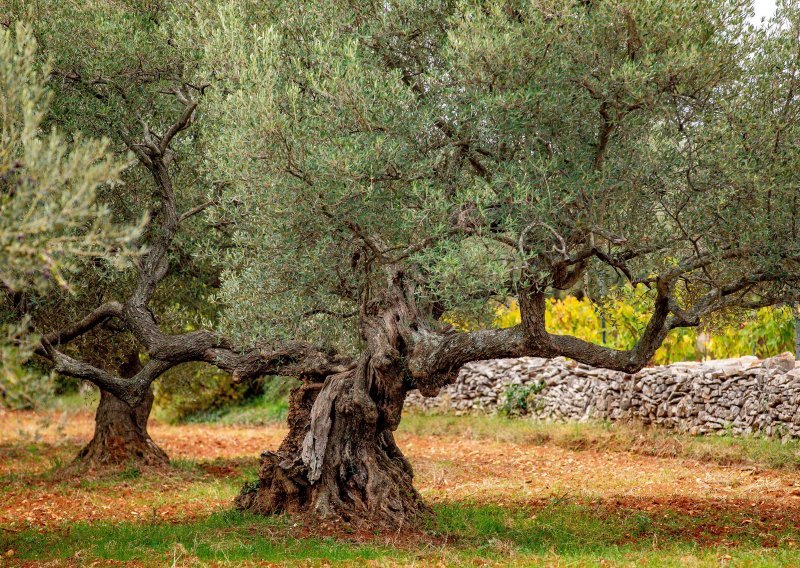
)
(740, 396)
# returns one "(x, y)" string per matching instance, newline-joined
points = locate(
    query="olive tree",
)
(388, 163)
(116, 72)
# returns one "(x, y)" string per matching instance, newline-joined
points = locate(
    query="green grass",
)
(75, 401)
(228, 536)
(456, 534)
(564, 531)
(567, 527)
(270, 407)
(606, 436)
(260, 411)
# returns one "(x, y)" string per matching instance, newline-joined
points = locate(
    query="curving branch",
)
(436, 357)
(195, 210)
(295, 359)
(97, 317)
(130, 390)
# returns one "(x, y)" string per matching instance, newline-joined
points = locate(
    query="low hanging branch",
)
(291, 358)
(436, 354)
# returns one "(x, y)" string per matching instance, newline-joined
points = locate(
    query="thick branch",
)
(97, 317)
(129, 390)
(436, 359)
(291, 358)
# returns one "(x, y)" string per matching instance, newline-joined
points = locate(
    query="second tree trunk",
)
(120, 434)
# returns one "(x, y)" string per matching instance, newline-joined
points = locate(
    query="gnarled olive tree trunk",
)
(120, 433)
(340, 459)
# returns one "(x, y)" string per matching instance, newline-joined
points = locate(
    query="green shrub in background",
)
(519, 400)
(269, 407)
(200, 393)
(768, 332)
(195, 388)
(23, 386)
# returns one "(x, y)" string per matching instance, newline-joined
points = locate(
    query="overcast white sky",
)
(764, 9)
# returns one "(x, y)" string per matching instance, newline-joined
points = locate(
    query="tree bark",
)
(120, 434)
(340, 460)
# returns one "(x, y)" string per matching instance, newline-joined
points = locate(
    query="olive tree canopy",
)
(496, 150)
(115, 73)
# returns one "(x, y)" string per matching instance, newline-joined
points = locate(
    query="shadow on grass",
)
(54, 466)
(228, 536)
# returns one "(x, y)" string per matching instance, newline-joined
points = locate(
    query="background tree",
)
(390, 162)
(117, 73)
(51, 220)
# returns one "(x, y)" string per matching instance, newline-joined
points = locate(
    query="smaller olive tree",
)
(118, 73)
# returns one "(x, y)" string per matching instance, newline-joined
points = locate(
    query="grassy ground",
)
(503, 492)
(602, 436)
(615, 437)
(460, 533)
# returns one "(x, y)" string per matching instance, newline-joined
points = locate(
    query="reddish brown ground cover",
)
(211, 461)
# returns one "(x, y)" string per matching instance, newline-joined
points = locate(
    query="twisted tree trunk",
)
(340, 459)
(120, 434)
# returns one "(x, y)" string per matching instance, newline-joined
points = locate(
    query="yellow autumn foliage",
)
(768, 333)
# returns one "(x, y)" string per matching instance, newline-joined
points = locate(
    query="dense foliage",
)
(50, 216)
(627, 136)
(111, 72)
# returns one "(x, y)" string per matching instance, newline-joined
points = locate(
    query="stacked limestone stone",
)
(740, 396)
